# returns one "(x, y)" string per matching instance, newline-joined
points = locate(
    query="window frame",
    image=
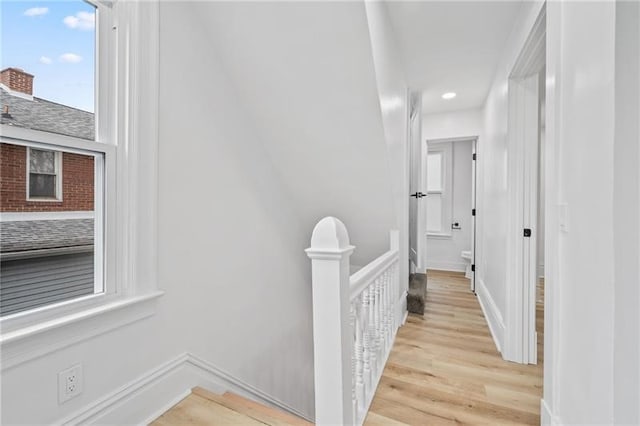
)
(57, 198)
(126, 84)
(445, 149)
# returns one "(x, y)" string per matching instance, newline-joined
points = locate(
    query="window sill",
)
(32, 341)
(438, 235)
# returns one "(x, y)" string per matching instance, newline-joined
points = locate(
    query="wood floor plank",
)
(444, 367)
(195, 410)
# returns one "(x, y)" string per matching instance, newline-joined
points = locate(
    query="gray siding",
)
(29, 283)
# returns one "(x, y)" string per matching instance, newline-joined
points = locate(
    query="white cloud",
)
(81, 21)
(36, 11)
(71, 58)
(45, 60)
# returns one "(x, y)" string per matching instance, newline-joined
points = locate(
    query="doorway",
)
(525, 265)
(449, 176)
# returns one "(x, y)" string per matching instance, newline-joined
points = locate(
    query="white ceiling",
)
(452, 46)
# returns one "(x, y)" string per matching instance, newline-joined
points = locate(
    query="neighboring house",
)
(46, 202)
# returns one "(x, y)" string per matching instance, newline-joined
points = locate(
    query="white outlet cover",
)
(69, 383)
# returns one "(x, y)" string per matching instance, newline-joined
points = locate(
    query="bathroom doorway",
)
(450, 179)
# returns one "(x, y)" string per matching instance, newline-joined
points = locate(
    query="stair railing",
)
(354, 323)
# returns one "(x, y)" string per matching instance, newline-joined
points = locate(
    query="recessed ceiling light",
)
(449, 95)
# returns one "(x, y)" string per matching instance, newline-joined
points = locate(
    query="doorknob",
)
(418, 195)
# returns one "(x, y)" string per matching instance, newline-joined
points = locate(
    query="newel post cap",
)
(330, 237)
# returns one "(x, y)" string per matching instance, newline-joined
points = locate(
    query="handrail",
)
(363, 277)
(355, 319)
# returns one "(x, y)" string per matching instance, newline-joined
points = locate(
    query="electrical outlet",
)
(69, 383)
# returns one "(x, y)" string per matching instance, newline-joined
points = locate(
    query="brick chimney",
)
(17, 80)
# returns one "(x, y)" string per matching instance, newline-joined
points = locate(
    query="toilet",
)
(466, 255)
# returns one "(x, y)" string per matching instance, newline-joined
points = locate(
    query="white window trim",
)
(127, 131)
(58, 174)
(446, 150)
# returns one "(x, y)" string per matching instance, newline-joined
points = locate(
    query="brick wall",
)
(77, 182)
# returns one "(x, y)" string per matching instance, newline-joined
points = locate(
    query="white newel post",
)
(332, 335)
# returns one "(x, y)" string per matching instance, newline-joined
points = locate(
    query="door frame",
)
(520, 342)
(474, 182)
(414, 114)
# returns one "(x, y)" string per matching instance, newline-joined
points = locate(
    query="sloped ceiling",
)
(304, 72)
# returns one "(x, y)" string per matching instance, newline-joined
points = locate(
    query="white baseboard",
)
(491, 314)
(147, 397)
(546, 416)
(447, 266)
(401, 311)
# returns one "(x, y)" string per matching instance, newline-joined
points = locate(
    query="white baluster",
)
(354, 334)
(366, 340)
(372, 332)
(359, 349)
(387, 316)
(379, 341)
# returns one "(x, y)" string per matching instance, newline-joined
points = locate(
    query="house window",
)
(107, 195)
(52, 242)
(439, 186)
(44, 175)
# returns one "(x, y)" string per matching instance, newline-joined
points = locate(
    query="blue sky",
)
(54, 41)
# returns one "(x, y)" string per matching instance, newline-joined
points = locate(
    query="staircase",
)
(203, 407)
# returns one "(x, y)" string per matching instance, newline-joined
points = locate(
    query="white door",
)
(417, 238)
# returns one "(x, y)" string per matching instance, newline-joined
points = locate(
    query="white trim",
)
(438, 265)
(147, 397)
(491, 314)
(547, 418)
(24, 216)
(439, 236)
(401, 315)
(27, 343)
(523, 129)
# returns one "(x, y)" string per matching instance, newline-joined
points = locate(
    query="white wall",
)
(445, 252)
(492, 195)
(231, 233)
(591, 350)
(452, 124)
(392, 93)
(626, 204)
(269, 120)
(304, 74)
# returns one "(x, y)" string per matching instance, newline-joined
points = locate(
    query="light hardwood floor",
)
(444, 368)
(205, 408)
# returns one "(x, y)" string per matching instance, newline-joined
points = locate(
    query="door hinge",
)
(527, 232)
(474, 156)
(473, 212)
(473, 268)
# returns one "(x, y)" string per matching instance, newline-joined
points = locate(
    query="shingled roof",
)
(41, 114)
(27, 235)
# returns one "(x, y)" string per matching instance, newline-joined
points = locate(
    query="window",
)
(44, 174)
(71, 97)
(439, 185)
(51, 248)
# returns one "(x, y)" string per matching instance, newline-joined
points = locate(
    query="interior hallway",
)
(444, 367)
